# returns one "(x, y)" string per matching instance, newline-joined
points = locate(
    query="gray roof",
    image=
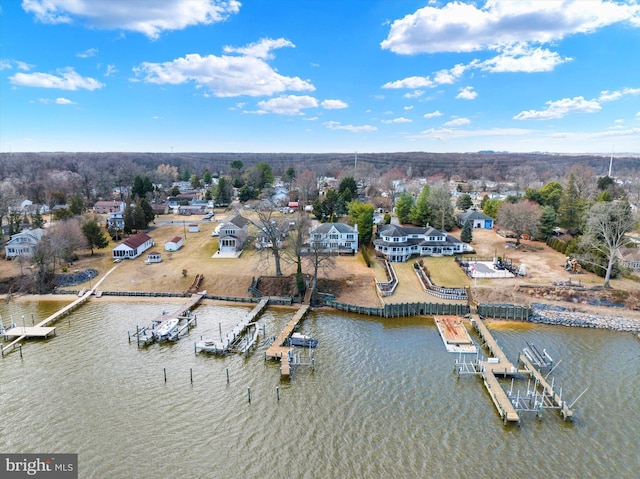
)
(395, 230)
(473, 215)
(239, 221)
(324, 228)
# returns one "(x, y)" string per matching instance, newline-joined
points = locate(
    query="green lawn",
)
(445, 272)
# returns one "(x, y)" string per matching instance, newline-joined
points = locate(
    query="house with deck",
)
(337, 237)
(399, 243)
(133, 247)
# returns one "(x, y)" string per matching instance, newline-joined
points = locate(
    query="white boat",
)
(167, 328)
(298, 339)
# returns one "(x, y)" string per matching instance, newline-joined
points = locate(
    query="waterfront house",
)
(23, 243)
(133, 247)
(399, 243)
(174, 244)
(337, 237)
(478, 219)
(233, 234)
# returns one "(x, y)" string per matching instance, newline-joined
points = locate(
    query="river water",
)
(382, 401)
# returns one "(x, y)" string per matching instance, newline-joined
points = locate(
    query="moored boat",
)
(167, 328)
(298, 339)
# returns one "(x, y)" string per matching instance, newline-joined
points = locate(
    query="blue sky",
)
(319, 76)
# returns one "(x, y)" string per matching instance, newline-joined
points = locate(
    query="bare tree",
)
(269, 240)
(607, 226)
(66, 237)
(307, 185)
(521, 217)
(8, 199)
(319, 258)
(439, 202)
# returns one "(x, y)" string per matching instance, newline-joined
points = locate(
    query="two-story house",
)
(336, 237)
(23, 243)
(233, 233)
(399, 243)
(105, 207)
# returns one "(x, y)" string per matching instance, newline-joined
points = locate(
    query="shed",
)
(174, 244)
(194, 228)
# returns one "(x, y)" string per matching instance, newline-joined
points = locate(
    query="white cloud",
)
(414, 94)
(408, 107)
(333, 104)
(433, 114)
(68, 79)
(91, 52)
(467, 93)
(57, 101)
(560, 108)
(462, 27)
(150, 20)
(616, 95)
(111, 70)
(411, 83)
(225, 76)
(458, 122)
(521, 58)
(288, 105)
(260, 49)
(336, 125)
(449, 76)
(8, 64)
(397, 120)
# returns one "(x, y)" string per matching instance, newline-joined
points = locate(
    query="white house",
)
(23, 243)
(115, 220)
(174, 244)
(132, 247)
(478, 219)
(336, 237)
(399, 243)
(233, 234)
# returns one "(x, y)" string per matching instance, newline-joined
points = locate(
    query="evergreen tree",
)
(36, 219)
(404, 205)
(421, 214)
(464, 202)
(362, 215)
(572, 207)
(547, 222)
(466, 236)
(76, 204)
(95, 237)
(330, 208)
(207, 178)
(348, 188)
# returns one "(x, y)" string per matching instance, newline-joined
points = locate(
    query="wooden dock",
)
(548, 398)
(145, 335)
(454, 334)
(279, 349)
(41, 330)
(233, 341)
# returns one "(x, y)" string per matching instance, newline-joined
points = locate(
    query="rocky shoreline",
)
(564, 316)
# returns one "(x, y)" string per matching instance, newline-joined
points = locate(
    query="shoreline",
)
(543, 313)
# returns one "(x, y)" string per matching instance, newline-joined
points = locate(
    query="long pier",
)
(279, 349)
(42, 329)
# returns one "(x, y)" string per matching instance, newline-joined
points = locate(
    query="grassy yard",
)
(445, 272)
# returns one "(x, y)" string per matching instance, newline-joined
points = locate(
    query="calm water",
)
(383, 401)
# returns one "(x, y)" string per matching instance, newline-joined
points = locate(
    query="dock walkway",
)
(279, 349)
(233, 341)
